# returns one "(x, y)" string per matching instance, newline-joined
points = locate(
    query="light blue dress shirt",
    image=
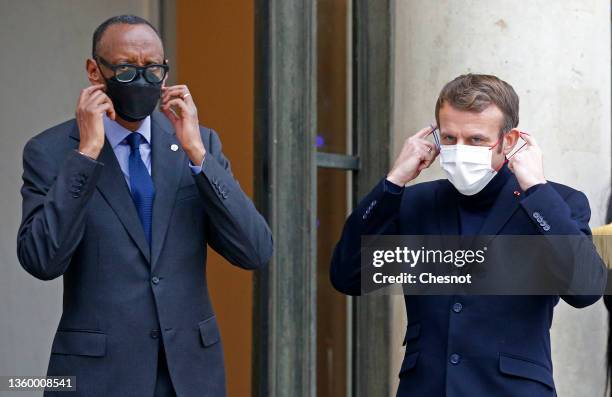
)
(116, 135)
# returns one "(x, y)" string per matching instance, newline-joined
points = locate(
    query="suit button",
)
(454, 359)
(155, 334)
(155, 280)
(536, 215)
(457, 307)
(546, 228)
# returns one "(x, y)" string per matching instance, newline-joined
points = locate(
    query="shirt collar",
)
(115, 133)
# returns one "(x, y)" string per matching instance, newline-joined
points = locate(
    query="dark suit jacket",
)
(120, 295)
(472, 345)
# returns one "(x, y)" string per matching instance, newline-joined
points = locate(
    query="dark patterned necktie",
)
(143, 191)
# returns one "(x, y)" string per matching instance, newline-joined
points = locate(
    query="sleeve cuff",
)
(196, 169)
(83, 155)
(533, 189)
(392, 188)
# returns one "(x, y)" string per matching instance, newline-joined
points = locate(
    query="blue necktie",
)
(143, 191)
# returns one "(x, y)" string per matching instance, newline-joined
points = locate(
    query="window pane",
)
(333, 74)
(332, 324)
(333, 191)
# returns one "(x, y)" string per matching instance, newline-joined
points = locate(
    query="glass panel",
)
(333, 191)
(332, 310)
(333, 74)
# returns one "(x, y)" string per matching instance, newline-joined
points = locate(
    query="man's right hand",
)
(92, 104)
(416, 155)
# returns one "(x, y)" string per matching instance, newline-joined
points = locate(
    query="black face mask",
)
(135, 100)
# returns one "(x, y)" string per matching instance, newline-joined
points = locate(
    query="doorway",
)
(322, 129)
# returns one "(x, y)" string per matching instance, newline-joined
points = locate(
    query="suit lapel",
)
(167, 167)
(504, 207)
(115, 191)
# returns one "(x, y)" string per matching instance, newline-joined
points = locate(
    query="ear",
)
(510, 139)
(94, 75)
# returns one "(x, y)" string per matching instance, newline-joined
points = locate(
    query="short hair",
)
(476, 92)
(119, 19)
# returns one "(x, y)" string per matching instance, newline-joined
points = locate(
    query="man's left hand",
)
(527, 165)
(177, 104)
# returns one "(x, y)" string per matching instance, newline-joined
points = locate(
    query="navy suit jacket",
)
(472, 345)
(120, 295)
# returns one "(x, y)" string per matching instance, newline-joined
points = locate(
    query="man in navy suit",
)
(122, 201)
(469, 345)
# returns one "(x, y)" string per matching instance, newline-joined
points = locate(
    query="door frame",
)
(284, 322)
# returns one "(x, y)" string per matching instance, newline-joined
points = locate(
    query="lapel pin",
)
(174, 147)
(517, 193)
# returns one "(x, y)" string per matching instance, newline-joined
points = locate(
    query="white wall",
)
(556, 54)
(42, 69)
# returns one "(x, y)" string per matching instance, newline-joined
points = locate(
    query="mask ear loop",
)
(435, 136)
(515, 152)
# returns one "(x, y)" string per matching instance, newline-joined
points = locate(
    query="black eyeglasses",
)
(125, 72)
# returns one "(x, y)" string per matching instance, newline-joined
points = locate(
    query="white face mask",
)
(467, 167)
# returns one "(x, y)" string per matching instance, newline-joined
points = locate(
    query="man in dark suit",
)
(122, 202)
(469, 345)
